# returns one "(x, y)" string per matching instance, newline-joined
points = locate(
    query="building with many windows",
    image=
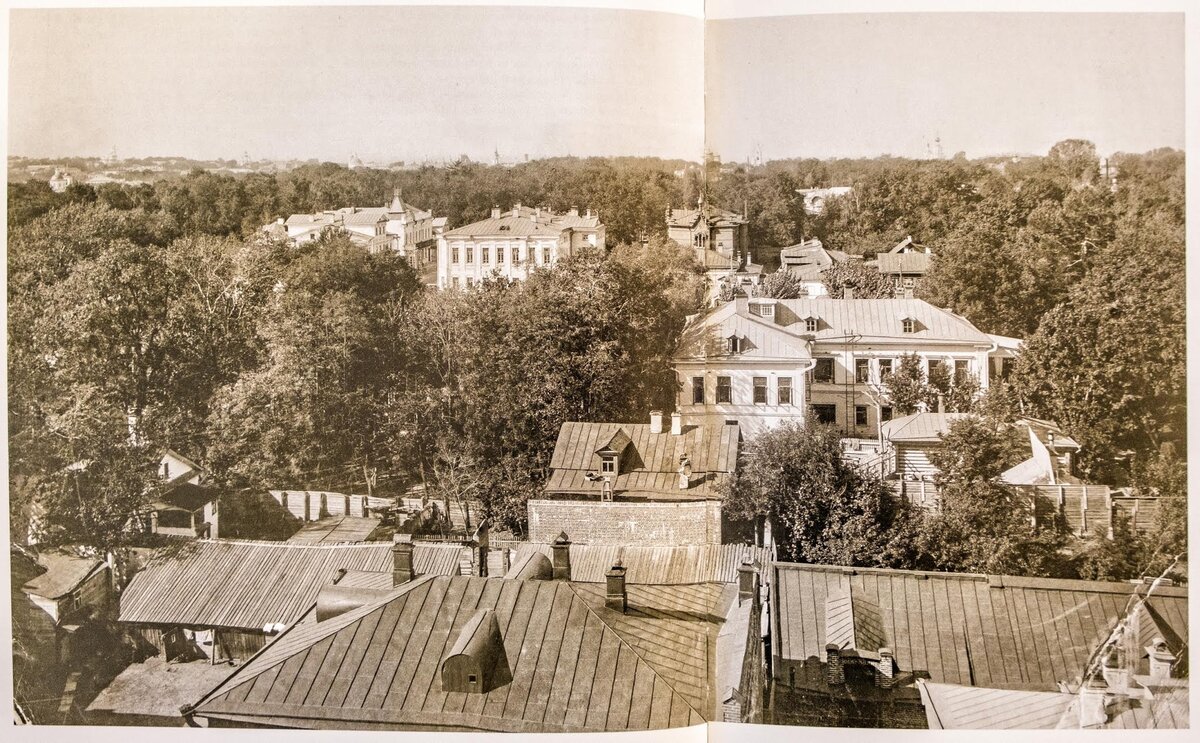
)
(397, 226)
(511, 244)
(764, 361)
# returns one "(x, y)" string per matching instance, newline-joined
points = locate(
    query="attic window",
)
(910, 325)
(608, 464)
(737, 344)
(763, 309)
(810, 324)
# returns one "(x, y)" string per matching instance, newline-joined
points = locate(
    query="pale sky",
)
(986, 83)
(404, 83)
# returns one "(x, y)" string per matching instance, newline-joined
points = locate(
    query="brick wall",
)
(693, 522)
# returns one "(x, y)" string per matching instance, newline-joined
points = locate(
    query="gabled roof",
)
(715, 216)
(878, 321)
(925, 428)
(999, 632)
(246, 585)
(617, 444)
(651, 460)
(853, 623)
(64, 573)
(378, 667)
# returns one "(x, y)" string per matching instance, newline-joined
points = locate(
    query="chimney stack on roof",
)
(676, 423)
(495, 212)
(574, 211)
(1161, 659)
(835, 675)
(616, 598)
(685, 472)
(403, 569)
(848, 293)
(656, 421)
(561, 551)
(885, 672)
(747, 580)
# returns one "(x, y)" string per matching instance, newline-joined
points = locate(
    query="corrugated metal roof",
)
(506, 227)
(663, 566)
(990, 631)
(714, 215)
(246, 585)
(379, 667)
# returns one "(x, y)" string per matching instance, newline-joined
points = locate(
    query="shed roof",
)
(335, 529)
(376, 667)
(920, 427)
(998, 632)
(907, 264)
(64, 573)
(188, 496)
(246, 585)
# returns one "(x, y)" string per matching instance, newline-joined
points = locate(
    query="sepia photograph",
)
(597, 366)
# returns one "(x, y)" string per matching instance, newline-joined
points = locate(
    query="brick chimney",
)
(848, 292)
(616, 597)
(561, 552)
(403, 569)
(835, 675)
(1161, 659)
(495, 212)
(676, 423)
(747, 580)
(656, 421)
(885, 676)
(685, 472)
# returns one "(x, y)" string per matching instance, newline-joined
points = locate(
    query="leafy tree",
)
(781, 285)
(982, 525)
(905, 387)
(821, 509)
(865, 281)
(1109, 363)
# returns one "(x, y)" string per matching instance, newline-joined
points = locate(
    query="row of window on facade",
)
(824, 369)
(501, 255)
(760, 395)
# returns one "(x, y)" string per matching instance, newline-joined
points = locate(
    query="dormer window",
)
(737, 344)
(810, 324)
(763, 309)
(909, 325)
(608, 464)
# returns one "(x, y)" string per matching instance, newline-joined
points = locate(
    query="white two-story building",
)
(763, 361)
(511, 244)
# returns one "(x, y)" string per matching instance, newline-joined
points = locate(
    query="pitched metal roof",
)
(875, 321)
(955, 707)
(998, 632)
(335, 529)
(908, 264)
(920, 427)
(378, 667)
(651, 460)
(663, 566)
(714, 216)
(63, 573)
(246, 585)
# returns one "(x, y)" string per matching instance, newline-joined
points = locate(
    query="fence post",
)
(1108, 499)
(1083, 525)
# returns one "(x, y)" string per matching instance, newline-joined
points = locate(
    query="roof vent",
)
(477, 662)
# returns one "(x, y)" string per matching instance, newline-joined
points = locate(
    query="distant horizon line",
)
(376, 164)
